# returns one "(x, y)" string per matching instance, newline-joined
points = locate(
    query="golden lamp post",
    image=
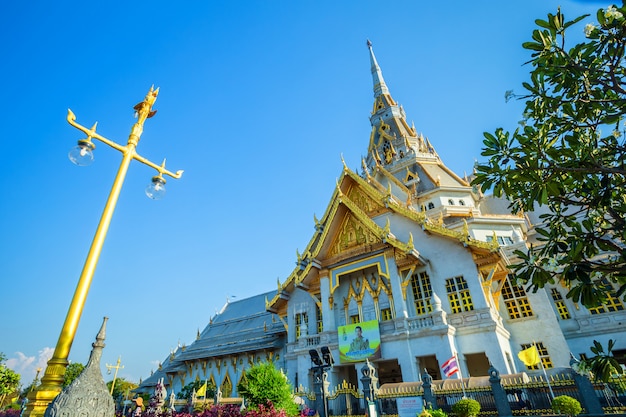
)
(117, 368)
(52, 380)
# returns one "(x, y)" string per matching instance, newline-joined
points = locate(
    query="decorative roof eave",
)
(370, 180)
(499, 219)
(443, 167)
(233, 347)
(383, 233)
(306, 261)
(391, 178)
(371, 187)
(427, 225)
(453, 174)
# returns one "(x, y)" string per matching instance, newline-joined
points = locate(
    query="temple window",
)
(461, 203)
(301, 320)
(354, 319)
(227, 387)
(459, 295)
(318, 319)
(451, 202)
(422, 293)
(515, 299)
(543, 355)
(611, 304)
(385, 314)
(431, 206)
(559, 303)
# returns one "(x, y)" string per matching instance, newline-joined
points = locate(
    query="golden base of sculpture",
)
(51, 386)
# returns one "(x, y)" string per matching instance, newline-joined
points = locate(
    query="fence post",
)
(370, 382)
(429, 396)
(499, 395)
(320, 386)
(588, 396)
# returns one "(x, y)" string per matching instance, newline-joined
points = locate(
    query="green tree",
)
(71, 372)
(603, 365)
(122, 389)
(9, 380)
(185, 392)
(262, 383)
(568, 156)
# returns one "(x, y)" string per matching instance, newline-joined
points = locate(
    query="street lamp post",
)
(36, 381)
(117, 368)
(52, 380)
(321, 364)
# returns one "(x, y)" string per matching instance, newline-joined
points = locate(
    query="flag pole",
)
(458, 364)
(544, 371)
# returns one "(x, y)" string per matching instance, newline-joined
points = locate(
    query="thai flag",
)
(450, 367)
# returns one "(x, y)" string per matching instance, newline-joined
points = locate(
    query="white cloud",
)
(27, 366)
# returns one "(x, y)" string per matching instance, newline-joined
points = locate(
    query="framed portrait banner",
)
(359, 341)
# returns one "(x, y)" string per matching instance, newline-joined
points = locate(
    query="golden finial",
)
(376, 158)
(338, 187)
(387, 229)
(144, 110)
(494, 241)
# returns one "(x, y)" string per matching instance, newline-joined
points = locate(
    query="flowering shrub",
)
(10, 412)
(307, 412)
(267, 410)
(233, 410)
(223, 410)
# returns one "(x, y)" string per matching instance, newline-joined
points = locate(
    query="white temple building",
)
(412, 258)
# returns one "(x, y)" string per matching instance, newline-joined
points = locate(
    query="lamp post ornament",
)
(52, 380)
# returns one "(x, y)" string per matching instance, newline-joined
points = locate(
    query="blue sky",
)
(258, 102)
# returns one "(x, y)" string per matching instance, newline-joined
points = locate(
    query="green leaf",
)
(534, 46)
(543, 24)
